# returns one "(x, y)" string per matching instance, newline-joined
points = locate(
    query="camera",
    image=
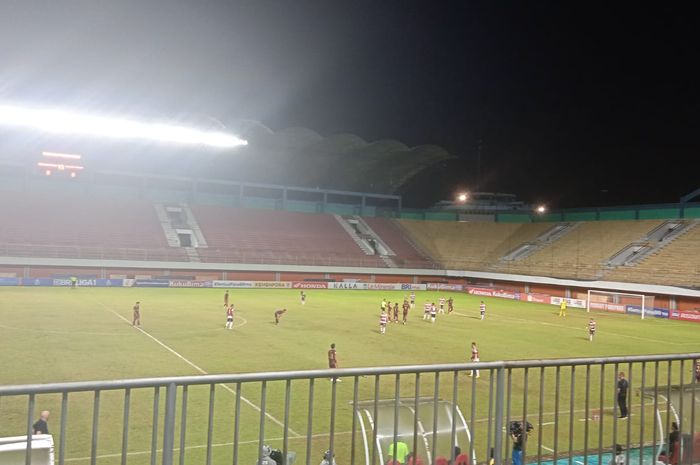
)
(516, 428)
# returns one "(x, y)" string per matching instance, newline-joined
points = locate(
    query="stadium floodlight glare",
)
(69, 156)
(462, 197)
(541, 209)
(72, 123)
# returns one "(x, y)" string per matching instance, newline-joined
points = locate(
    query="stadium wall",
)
(508, 285)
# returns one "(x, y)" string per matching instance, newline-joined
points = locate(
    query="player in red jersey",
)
(450, 305)
(383, 319)
(474, 358)
(332, 360)
(278, 315)
(406, 306)
(229, 317)
(396, 312)
(433, 312)
(441, 301)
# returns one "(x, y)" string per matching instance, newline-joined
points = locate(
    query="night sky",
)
(595, 105)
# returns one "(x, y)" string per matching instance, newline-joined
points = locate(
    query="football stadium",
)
(176, 290)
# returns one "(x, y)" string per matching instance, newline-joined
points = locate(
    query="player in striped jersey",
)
(433, 312)
(229, 317)
(383, 318)
(482, 309)
(426, 310)
(591, 329)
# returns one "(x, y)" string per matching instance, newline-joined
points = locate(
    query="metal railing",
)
(572, 405)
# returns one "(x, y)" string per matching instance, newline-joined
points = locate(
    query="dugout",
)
(414, 419)
(683, 404)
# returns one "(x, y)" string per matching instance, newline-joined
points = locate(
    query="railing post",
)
(498, 433)
(169, 424)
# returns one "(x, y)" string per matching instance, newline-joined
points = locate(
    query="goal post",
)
(621, 302)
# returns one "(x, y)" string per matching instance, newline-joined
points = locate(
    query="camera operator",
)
(518, 434)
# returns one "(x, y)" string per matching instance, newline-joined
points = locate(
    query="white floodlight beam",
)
(67, 122)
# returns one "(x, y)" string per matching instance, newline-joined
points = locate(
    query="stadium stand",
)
(42, 225)
(407, 253)
(260, 236)
(580, 253)
(470, 245)
(676, 264)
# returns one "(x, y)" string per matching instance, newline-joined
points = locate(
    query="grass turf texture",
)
(52, 335)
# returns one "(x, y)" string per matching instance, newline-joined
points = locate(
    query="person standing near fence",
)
(41, 425)
(622, 386)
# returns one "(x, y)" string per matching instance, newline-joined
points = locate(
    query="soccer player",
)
(591, 329)
(441, 301)
(406, 306)
(136, 320)
(226, 298)
(396, 312)
(426, 310)
(474, 358)
(303, 298)
(433, 312)
(332, 360)
(73, 282)
(482, 310)
(413, 298)
(388, 309)
(383, 318)
(450, 305)
(278, 315)
(383, 305)
(229, 317)
(562, 307)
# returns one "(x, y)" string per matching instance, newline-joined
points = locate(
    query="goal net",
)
(620, 302)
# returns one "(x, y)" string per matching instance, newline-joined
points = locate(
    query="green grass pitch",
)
(59, 334)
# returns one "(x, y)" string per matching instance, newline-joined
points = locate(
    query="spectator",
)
(460, 458)
(674, 444)
(619, 458)
(41, 426)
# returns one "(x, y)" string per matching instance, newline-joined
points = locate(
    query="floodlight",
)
(462, 197)
(68, 122)
(541, 209)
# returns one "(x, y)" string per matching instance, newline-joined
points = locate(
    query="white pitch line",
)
(171, 350)
(546, 448)
(201, 446)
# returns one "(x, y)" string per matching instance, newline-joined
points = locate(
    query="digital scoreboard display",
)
(67, 164)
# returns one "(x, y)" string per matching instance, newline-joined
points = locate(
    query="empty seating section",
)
(261, 236)
(470, 245)
(676, 264)
(581, 253)
(42, 224)
(406, 254)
